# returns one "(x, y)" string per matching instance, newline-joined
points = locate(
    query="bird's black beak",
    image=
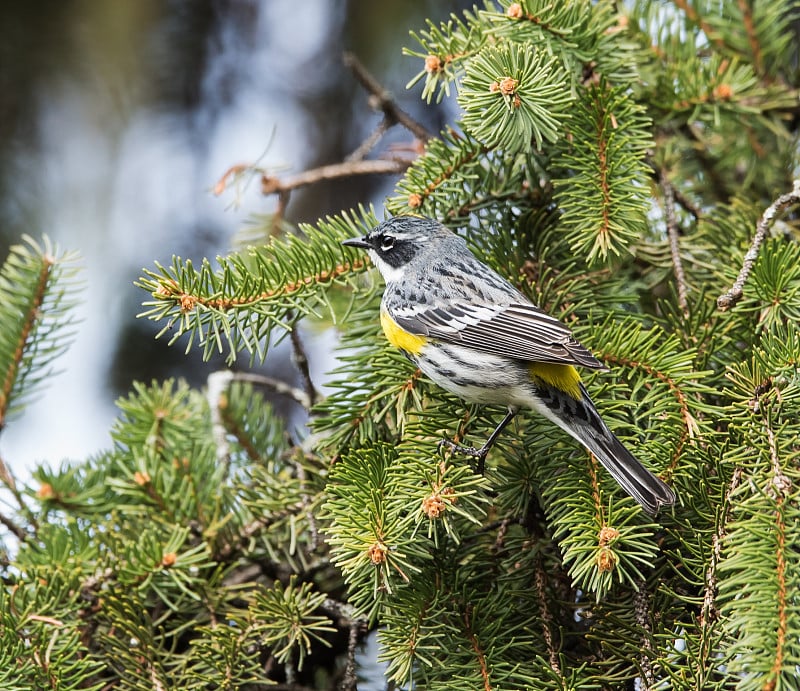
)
(357, 242)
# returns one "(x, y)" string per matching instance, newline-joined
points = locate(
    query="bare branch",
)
(278, 386)
(729, 299)
(687, 203)
(548, 625)
(19, 533)
(641, 609)
(382, 99)
(370, 142)
(216, 385)
(273, 185)
(349, 680)
(674, 247)
(301, 360)
(7, 479)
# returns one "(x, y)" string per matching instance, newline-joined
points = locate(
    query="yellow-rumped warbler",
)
(477, 336)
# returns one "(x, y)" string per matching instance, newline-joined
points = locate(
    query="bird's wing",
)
(516, 330)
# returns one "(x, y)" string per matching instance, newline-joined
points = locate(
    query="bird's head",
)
(393, 244)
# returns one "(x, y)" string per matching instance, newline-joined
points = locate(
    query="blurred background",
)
(116, 120)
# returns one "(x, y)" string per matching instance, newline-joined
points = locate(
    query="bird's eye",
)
(387, 242)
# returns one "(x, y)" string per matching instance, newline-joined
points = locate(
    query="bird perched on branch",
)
(478, 337)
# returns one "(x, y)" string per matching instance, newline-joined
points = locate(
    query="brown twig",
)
(752, 36)
(548, 625)
(360, 152)
(480, 653)
(729, 299)
(687, 204)
(345, 617)
(349, 680)
(7, 479)
(305, 498)
(283, 186)
(19, 533)
(382, 100)
(274, 185)
(693, 16)
(301, 360)
(674, 246)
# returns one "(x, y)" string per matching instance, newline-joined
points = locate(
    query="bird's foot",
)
(471, 451)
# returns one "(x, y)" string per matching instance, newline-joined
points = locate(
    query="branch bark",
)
(382, 100)
(729, 299)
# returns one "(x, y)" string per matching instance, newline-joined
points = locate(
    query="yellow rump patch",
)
(563, 377)
(399, 337)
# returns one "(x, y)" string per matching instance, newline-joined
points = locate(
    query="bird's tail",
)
(582, 421)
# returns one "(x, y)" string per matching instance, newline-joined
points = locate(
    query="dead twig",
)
(274, 185)
(382, 100)
(729, 299)
(278, 386)
(674, 246)
(301, 360)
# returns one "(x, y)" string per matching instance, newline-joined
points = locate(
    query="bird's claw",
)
(471, 451)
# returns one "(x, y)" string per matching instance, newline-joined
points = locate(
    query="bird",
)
(477, 336)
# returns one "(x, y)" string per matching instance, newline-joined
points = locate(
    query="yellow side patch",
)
(399, 337)
(563, 377)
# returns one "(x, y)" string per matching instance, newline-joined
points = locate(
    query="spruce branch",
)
(233, 427)
(732, 296)
(37, 292)
(694, 17)
(444, 50)
(450, 164)
(604, 172)
(783, 597)
(606, 560)
(752, 37)
(513, 95)
(27, 325)
(236, 544)
(551, 25)
(676, 388)
(477, 648)
(255, 292)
